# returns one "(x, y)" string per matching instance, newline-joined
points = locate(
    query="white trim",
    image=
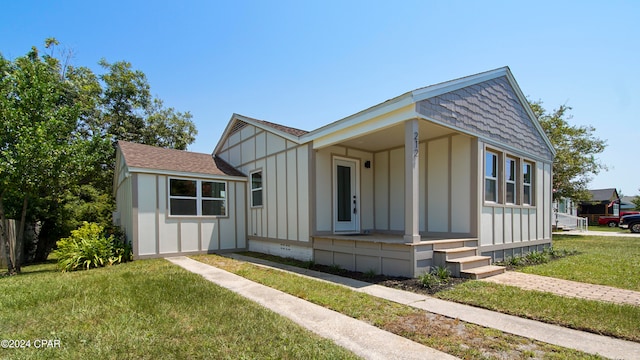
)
(237, 117)
(181, 174)
(251, 189)
(486, 140)
(199, 198)
(355, 183)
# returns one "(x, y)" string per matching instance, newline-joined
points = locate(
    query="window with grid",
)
(256, 189)
(491, 177)
(197, 198)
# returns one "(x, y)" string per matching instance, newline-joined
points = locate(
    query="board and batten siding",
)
(506, 226)
(444, 187)
(158, 234)
(281, 225)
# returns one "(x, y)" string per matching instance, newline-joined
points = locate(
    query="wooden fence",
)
(10, 226)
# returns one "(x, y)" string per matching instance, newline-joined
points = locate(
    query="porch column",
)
(411, 181)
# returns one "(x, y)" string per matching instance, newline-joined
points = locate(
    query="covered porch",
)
(390, 254)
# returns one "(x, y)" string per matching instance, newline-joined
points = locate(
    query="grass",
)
(444, 334)
(621, 321)
(600, 260)
(147, 309)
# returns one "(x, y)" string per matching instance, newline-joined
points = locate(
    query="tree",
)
(576, 149)
(39, 153)
(636, 201)
(59, 125)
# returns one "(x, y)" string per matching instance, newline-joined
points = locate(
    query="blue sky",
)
(308, 63)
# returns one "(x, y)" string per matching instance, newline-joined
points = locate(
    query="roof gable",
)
(238, 122)
(492, 108)
(604, 195)
(155, 158)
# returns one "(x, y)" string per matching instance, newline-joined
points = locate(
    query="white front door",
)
(346, 202)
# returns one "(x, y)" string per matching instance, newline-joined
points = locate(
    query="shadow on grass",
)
(47, 266)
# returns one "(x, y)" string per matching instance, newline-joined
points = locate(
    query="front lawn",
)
(147, 309)
(464, 340)
(611, 261)
(603, 260)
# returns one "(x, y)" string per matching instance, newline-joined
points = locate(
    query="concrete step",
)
(482, 272)
(456, 266)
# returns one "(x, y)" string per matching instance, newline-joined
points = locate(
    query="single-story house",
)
(454, 174)
(603, 202)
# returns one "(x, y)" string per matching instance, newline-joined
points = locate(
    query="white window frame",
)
(493, 179)
(252, 189)
(511, 164)
(528, 185)
(198, 198)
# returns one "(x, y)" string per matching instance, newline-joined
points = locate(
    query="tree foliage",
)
(40, 153)
(59, 125)
(576, 149)
(636, 201)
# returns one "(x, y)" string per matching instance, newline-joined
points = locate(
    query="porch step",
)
(442, 256)
(457, 266)
(452, 243)
(482, 272)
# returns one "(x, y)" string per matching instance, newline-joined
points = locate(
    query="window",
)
(256, 189)
(197, 198)
(510, 180)
(527, 170)
(491, 177)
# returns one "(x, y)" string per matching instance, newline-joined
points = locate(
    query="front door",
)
(346, 204)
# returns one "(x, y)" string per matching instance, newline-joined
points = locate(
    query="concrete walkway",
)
(552, 334)
(567, 288)
(364, 340)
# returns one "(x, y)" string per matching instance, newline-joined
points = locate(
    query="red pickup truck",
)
(612, 221)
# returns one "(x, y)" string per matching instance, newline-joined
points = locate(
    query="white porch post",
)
(411, 181)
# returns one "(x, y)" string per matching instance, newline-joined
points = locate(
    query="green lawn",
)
(612, 261)
(444, 334)
(148, 309)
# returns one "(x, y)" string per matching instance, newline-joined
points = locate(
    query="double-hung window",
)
(491, 177)
(510, 180)
(197, 198)
(527, 183)
(256, 189)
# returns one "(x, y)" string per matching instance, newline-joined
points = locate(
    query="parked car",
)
(612, 221)
(631, 222)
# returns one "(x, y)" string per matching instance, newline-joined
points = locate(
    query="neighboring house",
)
(603, 202)
(457, 169)
(626, 203)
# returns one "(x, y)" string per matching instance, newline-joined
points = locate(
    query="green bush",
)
(437, 276)
(88, 247)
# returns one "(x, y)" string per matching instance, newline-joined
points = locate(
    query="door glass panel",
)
(344, 193)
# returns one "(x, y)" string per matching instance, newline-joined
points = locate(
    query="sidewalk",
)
(364, 340)
(551, 334)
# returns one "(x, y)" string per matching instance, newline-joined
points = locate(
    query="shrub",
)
(536, 258)
(437, 276)
(442, 273)
(88, 247)
(429, 280)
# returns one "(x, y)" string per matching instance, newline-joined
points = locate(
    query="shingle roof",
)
(151, 157)
(603, 194)
(286, 129)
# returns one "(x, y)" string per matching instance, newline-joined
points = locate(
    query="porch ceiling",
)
(393, 137)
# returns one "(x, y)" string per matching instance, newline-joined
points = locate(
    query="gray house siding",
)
(490, 109)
